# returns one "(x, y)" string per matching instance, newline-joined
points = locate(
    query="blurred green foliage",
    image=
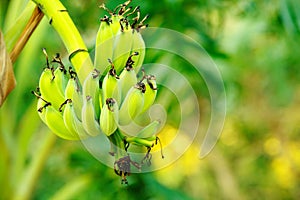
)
(256, 47)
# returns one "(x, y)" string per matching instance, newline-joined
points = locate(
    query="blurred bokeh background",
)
(255, 45)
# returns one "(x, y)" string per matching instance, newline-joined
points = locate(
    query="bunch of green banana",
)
(111, 96)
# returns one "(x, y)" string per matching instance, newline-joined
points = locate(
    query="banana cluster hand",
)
(117, 39)
(111, 96)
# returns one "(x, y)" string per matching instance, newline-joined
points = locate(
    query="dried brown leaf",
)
(7, 78)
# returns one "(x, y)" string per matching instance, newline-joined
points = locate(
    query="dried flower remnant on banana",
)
(110, 97)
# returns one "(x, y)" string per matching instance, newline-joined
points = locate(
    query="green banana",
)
(54, 120)
(61, 81)
(122, 45)
(48, 86)
(60, 71)
(72, 122)
(127, 77)
(104, 45)
(91, 88)
(111, 85)
(133, 104)
(40, 107)
(150, 93)
(89, 119)
(73, 92)
(70, 88)
(109, 117)
(115, 23)
(138, 45)
(100, 100)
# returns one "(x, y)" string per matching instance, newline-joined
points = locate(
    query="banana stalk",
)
(63, 24)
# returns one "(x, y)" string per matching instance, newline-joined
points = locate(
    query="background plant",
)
(255, 46)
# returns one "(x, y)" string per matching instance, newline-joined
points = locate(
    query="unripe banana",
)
(41, 104)
(61, 79)
(100, 99)
(111, 85)
(91, 88)
(60, 71)
(127, 77)
(115, 24)
(70, 89)
(55, 122)
(133, 104)
(109, 117)
(73, 92)
(89, 121)
(138, 45)
(122, 45)
(104, 45)
(150, 93)
(48, 86)
(71, 121)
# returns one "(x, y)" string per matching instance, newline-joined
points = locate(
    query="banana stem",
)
(63, 24)
(140, 141)
(117, 140)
